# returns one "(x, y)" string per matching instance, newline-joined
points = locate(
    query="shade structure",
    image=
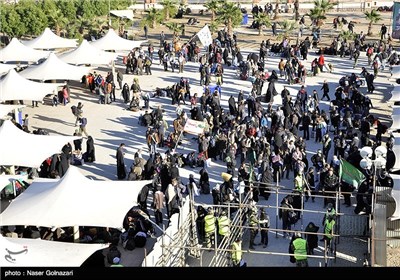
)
(5, 109)
(4, 68)
(396, 151)
(111, 41)
(15, 87)
(25, 252)
(48, 40)
(396, 118)
(73, 200)
(15, 51)
(123, 13)
(55, 69)
(395, 94)
(87, 54)
(20, 148)
(395, 193)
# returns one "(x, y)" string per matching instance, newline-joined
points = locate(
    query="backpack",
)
(74, 110)
(369, 51)
(112, 253)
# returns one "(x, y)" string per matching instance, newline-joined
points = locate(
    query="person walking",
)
(78, 112)
(299, 247)
(325, 90)
(82, 126)
(121, 169)
(383, 31)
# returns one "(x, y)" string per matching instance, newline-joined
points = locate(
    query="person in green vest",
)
(223, 225)
(299, 247)
(329, 229)
(298, 182)
(253, 224)
(237, 252)
(209, 227)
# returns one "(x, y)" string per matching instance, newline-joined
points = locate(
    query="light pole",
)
(372, 165)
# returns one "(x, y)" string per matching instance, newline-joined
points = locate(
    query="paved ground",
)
(112, 124)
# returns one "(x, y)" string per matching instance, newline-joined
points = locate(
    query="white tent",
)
(55, 69)
(73, 200)
(396, 195)
(5, 109)
(395, 94)
(111, 41)
(395, 118)
(16, 51)
(24, 252)
(48, 40)
(15, 87)
(123, 13)
(396, 151)
(4, 68)
(87, 54)
(25, 149)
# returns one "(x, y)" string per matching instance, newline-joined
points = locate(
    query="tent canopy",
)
(15, 51)
(87, 54)
(111, 41)
(25, 149)
(396, 151)
(43, 253)
(48, 40)
(5, 109)
(4, 68)
(55, 69)
(73, 200)
(395, 118)
(15, 87)
(123, 13)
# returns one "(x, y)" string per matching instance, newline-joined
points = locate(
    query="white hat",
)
(116, 260)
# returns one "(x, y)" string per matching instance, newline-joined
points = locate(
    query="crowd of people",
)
(258, 141)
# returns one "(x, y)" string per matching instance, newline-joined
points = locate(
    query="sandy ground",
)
(112, 124)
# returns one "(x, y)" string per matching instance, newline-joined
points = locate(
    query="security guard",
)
(223, 224)
(237, 251)
(254, 225)
(329, 226)
(209, 227)
(299, 246)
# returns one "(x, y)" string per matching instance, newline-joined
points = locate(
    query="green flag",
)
(350, 174)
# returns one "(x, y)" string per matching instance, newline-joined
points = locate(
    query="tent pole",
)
(76, 234)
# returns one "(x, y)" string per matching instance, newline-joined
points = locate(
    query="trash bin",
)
(245, 19)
